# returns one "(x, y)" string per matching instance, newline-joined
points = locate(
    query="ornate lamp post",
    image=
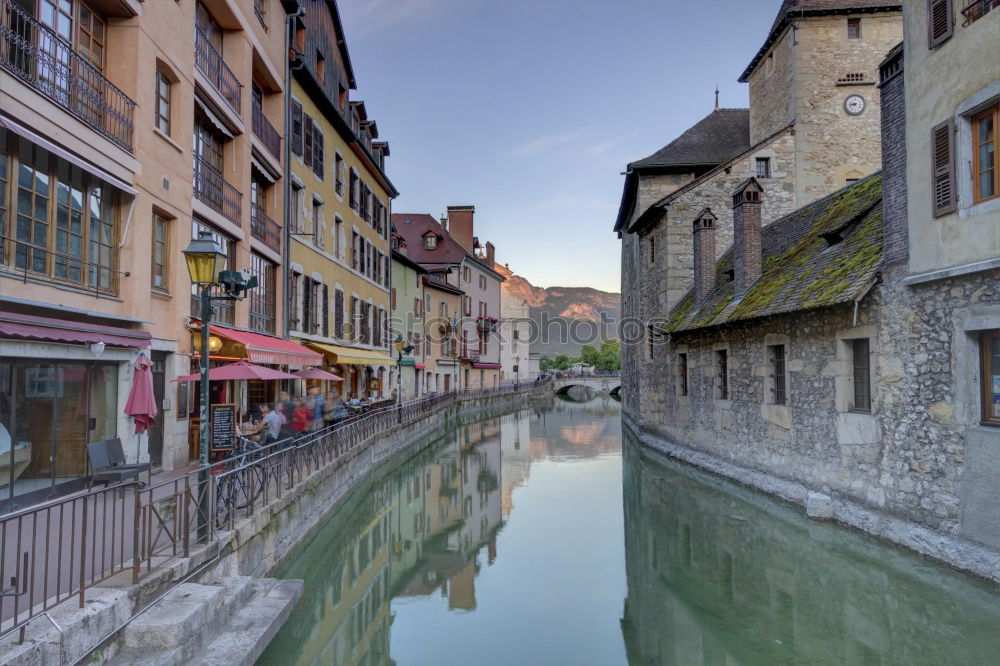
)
(517, 371)
(205, 261)
(401, 349)
(454, 369)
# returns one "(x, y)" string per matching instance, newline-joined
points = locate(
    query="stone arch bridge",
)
(601, 383)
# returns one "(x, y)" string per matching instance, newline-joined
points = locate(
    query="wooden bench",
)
(107, 460)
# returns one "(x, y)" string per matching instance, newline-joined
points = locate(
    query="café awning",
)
(269, 349)
(485, 366)
(354, 356)
(47, 329)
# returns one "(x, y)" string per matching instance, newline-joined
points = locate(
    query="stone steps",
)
(230, 621)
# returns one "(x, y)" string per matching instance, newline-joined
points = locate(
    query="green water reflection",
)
(508, 541)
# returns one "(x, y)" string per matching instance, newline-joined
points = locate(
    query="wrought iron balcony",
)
(264, 130)
(976, 9)
(265, 229)
(470, 353)
(209, 62)
(34, 54)
(487, 324)
(212, 189)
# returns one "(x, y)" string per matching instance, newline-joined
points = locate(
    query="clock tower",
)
(817, 72)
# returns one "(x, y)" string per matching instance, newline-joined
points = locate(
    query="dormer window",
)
(430, 242)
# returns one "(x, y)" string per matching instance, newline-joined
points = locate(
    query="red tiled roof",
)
(412, 227)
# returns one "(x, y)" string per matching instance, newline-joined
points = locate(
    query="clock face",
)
(854, 105)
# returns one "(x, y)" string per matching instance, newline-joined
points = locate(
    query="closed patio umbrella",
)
(316, 373)
(239, 370)
(141, 404)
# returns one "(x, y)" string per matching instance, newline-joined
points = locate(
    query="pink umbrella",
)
(141, 404)
(239, 370)
(316, 373)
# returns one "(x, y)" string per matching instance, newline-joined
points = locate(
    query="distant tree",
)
(610, 356)
(590, 355)
(562, 362)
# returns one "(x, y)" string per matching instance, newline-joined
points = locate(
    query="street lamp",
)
(454, 369)
(205, 261)
(401, 349)
(517, 371)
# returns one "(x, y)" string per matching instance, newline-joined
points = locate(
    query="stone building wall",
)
(918, 469)
(772, 90)
(833, 145)
(653, 187)
(893, 99)
(675, 264)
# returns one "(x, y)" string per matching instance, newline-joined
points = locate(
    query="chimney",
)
(704, 254)
(895, 232)
(444, 222)
(490, 255)
(746, 235)
(460, 225)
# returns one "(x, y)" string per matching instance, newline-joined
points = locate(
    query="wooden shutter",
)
(338, 314)
(943, 165)
(296, 128)
(306, 304)
(307, 140)
(326, 312)
(318, 151)
(940, 21)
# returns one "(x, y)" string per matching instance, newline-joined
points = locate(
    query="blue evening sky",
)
(531, 109)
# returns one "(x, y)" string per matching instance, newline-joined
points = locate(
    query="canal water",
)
(539, 537)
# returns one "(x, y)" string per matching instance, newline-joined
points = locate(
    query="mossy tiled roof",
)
(823, 254)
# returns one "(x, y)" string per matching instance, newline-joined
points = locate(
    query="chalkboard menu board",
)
(182, 401)
(223, 422)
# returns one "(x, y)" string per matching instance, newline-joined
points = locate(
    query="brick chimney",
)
(704, 254)
(746, 235)
(490, 255)
(460, 225)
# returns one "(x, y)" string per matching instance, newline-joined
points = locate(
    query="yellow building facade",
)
(338, 226)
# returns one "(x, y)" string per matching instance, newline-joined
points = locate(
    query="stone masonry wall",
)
(675, 265)
(833, 145)
(772, 90)
(918, 469)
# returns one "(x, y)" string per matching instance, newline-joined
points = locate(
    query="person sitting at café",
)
(355, 400)
(302, 417)
(317, 402)
(273, 420)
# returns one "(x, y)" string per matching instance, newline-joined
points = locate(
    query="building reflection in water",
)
(427, 528)
(718, 574)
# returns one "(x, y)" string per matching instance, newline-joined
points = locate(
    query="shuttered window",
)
(338, 314)
(862, 375)
(943, 163)
(296, 128)
(307, 139)
(307, 323)
(326, 312)
(317, 163)
(985, 148)
(940, 21)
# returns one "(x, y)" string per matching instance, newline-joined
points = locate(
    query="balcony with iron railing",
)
(470, 353)
(213, 190)
(977, 9)
(210, 63)
(486, 324)
(265, 229)
(264, 130)
(34, 54)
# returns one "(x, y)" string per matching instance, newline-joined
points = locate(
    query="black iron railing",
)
(265, 229)
(55, 551)
(976, 9)
(210, 63)
(215, 191)
(35, 261)
(36, 55)
(264, 130)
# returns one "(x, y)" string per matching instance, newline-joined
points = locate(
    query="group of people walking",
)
(291, 417)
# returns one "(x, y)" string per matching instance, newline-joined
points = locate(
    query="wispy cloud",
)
(605, 146)
(548, 142)
(374, 16)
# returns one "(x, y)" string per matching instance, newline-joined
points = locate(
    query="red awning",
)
(485, 366)
(30, 327)
(268, 349)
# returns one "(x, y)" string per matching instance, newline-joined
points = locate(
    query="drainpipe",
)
(285, 234)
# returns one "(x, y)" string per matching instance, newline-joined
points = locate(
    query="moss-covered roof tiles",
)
(823, 254)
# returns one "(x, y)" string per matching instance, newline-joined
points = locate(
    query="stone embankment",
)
(217, 606)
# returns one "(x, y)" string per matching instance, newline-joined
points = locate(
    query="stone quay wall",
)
(917, 470)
